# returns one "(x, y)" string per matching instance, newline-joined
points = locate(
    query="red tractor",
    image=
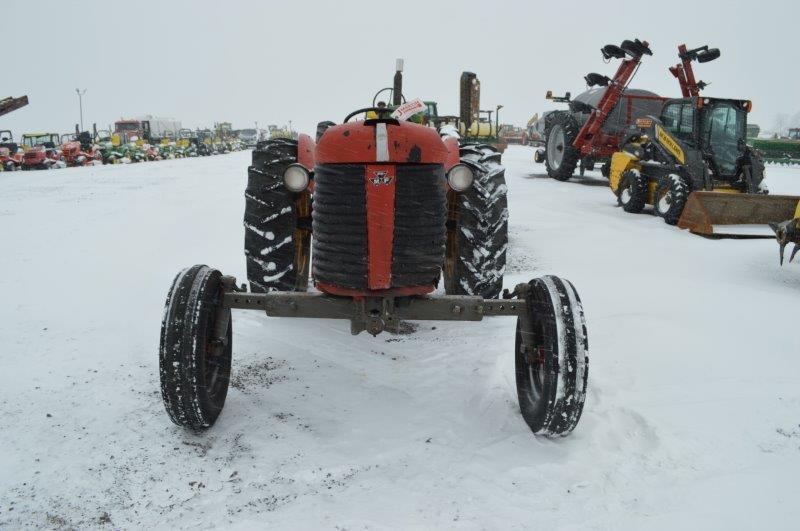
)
(152, 153)
(395, 209)
(10, 152)
(41, 151)
(79, 150)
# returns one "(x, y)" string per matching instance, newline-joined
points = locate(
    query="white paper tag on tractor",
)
(409, 109)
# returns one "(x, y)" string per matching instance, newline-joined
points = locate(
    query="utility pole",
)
(290, 127)
(80, 103)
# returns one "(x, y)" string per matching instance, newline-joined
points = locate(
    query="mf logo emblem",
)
(380, 178)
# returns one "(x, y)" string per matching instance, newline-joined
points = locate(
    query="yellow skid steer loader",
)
(694, 166)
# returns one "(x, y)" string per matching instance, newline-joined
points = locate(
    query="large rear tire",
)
(477, 233)
(194, 365)
(670, 198)
(552, 357)
(322, 127)
(561, 157)
(277, 222)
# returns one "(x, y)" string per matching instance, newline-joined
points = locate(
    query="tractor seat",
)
(86, 140)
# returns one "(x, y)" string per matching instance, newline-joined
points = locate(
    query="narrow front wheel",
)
(195, 356)
(552, 357)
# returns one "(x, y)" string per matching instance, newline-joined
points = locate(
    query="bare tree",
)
(780, 123)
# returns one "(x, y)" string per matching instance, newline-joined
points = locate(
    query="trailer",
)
(146, 128)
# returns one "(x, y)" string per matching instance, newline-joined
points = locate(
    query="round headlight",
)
(295, 178)
(460, 177)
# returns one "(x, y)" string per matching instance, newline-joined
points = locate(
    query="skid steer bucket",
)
(726, 215)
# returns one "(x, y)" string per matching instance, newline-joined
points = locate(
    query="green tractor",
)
(281, 132)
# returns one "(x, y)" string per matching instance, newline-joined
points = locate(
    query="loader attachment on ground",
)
(736, 215)
(787, 232)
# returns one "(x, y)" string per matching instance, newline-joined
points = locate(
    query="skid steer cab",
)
(395, 209)
(693, 165)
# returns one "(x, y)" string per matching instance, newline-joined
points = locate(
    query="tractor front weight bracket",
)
(373, 314)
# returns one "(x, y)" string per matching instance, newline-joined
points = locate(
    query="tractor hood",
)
(383, 141)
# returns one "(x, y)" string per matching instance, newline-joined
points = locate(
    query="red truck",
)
(10, 152)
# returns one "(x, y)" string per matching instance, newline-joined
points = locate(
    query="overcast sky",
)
(307, 61)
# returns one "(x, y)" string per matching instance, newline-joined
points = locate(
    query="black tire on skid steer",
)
(670, 198)
(632, 191)
(477, 233)
(605, 169)
(277, 224)
(561, 158)
(552, 357)
(194, 374)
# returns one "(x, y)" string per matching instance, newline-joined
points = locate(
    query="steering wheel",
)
(391, 95)
(378, 110)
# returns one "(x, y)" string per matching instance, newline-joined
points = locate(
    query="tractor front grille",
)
(339, 226)
(340, 245)
(420, 215)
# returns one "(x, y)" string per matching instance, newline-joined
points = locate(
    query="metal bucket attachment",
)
(726, 215)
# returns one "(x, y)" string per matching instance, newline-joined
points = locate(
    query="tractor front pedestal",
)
(551, 347)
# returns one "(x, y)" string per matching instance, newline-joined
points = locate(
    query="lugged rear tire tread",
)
(276, 248)
(477, 241)
(572, 155)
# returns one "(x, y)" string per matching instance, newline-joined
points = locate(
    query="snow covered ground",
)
(692, 418)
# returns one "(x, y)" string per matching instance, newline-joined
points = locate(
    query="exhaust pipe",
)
(470, 98)
(397, 88)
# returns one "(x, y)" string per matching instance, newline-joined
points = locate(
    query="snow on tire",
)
(194, 368)
(670, 198)
(277, 233)
(552, 357)
(477, 235)
(632, 192)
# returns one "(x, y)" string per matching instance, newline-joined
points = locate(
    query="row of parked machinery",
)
(688, 157)
(131, 140)
(44, 151)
